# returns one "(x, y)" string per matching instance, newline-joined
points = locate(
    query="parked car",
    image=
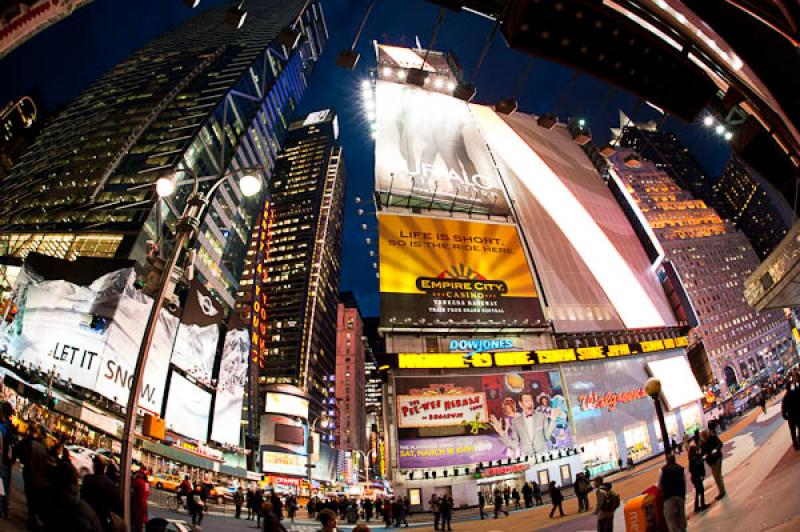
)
(216, 492)
(82, 458)
(165, 482)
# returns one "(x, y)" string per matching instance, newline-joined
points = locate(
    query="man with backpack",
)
(673, 488)
(607, 503)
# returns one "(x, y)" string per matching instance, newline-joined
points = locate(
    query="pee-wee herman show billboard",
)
(436, 271)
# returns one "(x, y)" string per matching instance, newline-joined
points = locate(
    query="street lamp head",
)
(652, 387)
(249, 184)
(165, 186)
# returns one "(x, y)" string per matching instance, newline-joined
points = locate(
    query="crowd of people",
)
(390, 510)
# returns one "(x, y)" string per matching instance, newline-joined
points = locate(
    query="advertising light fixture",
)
(387, 72)
(720, 129)
(708, 121)
(401, 74)
(438, 83)
(728, 135)
(165, 186)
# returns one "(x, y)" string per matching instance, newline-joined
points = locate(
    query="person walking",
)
(8, 435)
(498, 503)
(482, 504)
(537, 493)
(140, 494)
(697, 472)
(238, 501)
(507, 496)
(102, 494)
(195, 505)
(527, 494)
(258, 503)
(446, 507)
(790, 408)
(556, 499)
(436, 510)
(516, 498)
(36, 472)
(607, 503)
(387, 511)
(673, 489)
(65, 510)
(367, 505)
(582, 492)
(272, 522)
(712, 452)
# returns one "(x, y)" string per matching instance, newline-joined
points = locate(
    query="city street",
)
(760, 469)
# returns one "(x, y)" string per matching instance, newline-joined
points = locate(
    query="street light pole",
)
(653, 388)
(366, 461)
(185, 231)
(309, 465)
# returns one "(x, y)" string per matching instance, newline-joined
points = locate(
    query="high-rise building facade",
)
(713, 260)
(20, 121)
(753, 205)
(214, 105)
(350, 376)
(297, 277)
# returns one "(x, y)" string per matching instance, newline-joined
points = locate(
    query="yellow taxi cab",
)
(163, 481)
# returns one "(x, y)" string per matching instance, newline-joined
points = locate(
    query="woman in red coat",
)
(140, 492)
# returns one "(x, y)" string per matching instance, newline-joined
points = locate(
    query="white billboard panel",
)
(231, 382)
(429, 147)
(290, 405)
(188, 407)
(678, 384)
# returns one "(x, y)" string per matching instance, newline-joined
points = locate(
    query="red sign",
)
(610, 400)
(502, 470)
(284, 481)
(258, 314)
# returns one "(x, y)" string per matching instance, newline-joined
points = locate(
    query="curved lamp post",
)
(653, 388)
(185, 235)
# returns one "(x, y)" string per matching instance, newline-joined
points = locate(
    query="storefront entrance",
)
(637, 442)
(600, 455)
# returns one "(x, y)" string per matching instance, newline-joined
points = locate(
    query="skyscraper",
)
(214, 104)
(713, 260)
(350, 376)
(294, 338)
(753, 205)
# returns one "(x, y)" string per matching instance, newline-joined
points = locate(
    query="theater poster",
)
(455, 273)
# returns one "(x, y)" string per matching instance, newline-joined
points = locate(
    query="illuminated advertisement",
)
(528, 358)
(678, 385)
(429, 153)
(258, 324)
(593, 268)
(195, 348)
(454, 272)
(291, 405)
(479, 418)
(188, 408)
(226, 427)
(283, 463)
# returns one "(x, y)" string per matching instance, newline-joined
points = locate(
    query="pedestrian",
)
(271, 520)
(481, 504)
(277, 505)
(367, 505)
(195, 504)
(387, 511)
(697, 472)
(582, 492)
(712, 452)
(673, 489)
(8, 436)
(238, 501)
(516, 498)
(527, 494)
(498, 503)
(406, 509)
(102, 494)
(249, 500)
(619, 463)
(537, 493)
(436, 510)
(398, 512)
(65, 510)
(447, 512)
(327, 519)
(790, 408)
(36, 472)
(762, 401)
(184, 490)
(140, 493)
(258, 502)
(607, 503)
(361, 528)
(556, 499)
(507, 496)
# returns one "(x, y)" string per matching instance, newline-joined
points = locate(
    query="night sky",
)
(64, 59)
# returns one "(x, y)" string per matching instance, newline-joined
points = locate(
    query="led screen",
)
(283, 463)
(678, 384)
(188, 407)
(445, 271)
(594, 271)
(454, 420)
(290, 434)
(290, 405)
(428, 147)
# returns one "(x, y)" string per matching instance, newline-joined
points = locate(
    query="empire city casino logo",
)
(461, 282)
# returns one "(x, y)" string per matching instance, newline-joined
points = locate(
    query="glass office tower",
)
(203, 96)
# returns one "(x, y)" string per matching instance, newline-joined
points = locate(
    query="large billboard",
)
(227, 424)
(195, 348)
(188, 408)
(455, 420)
(454, 272)
(594, 271)
(429, 153)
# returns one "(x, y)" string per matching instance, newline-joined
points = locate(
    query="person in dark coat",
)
(36, 472)
(277, 505)
(790, 408)
(270, 519)
(65, 510)
(527, 495)
(196, 505)
(672, 484)
(498, 503)
(697, 472)
(537, 493)
(582, 492)
(387, 511)
(238, 501)
(446, 507)
(258, 502)
(481, 505)
(367, 506)
(712, 452)
(101, 493)
(556, 498)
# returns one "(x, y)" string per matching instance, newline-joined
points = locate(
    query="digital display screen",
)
(188, 408)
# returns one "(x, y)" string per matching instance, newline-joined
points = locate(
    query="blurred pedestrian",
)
(238, 501)
(498, 503)
(582, 492)
(327, 519)
(556, 499)
(368, 506)
(712, 452)
(140, 493)
(673, 489)
(607, 503)
(790, 408)
(516, 498)
(436, 510)
(65, 510)
(102, 494)
(447, 512)
(527, 494)
(184, 490)
(271, 520)
(537, 493)
(697, 472)
(196, 505)
(36, 472)
(8, 436)
(387, 511)
(482, 504)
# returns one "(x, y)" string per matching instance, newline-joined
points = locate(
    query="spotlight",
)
(708, 121)
(506, 106)
(438, 83)
(387, 72)
(720, 129)
(582, 122)
(451, 86)
(401, 74)
(235, 16)
(728, 135)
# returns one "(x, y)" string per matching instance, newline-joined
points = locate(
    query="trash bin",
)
(640, 514)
